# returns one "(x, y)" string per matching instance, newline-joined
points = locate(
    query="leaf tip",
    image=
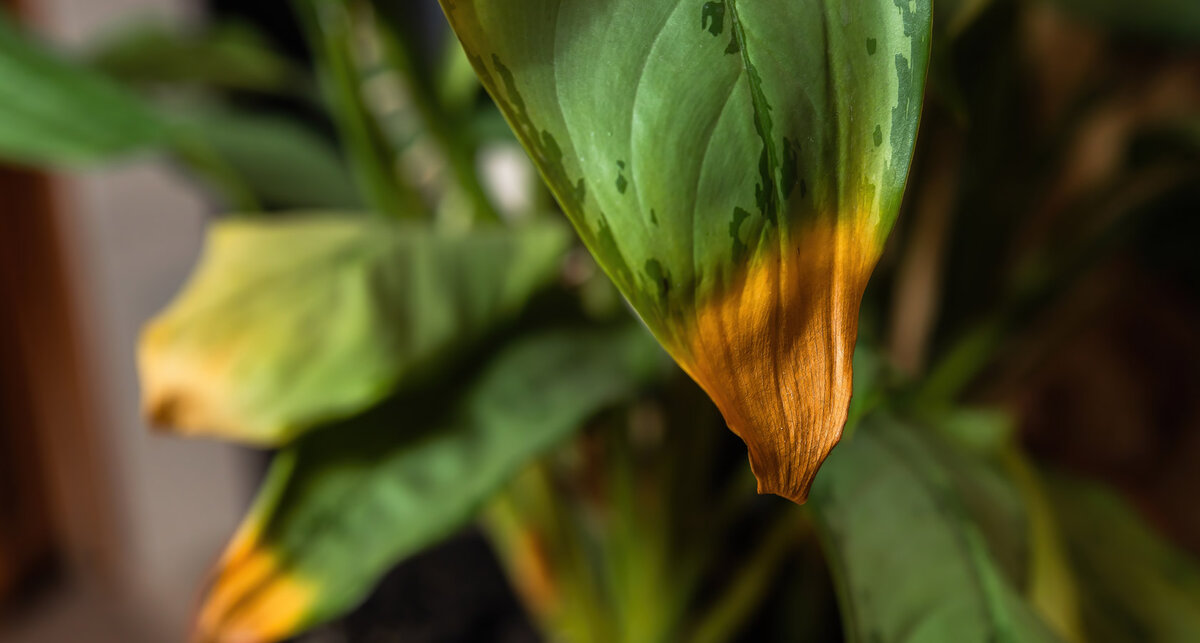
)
(774, 351)
(253, 598)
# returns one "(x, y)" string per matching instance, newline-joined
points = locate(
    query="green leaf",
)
(56, 112)
(910, 560)
(344, 505)
(735, 166)
(283, 163)
(225, 56)
(292, 323)
(1136, 585)
(1170, 20)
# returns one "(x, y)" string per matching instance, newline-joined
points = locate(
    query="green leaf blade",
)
(285, 164)
(345, 504)
(54, 112)
(909, 560)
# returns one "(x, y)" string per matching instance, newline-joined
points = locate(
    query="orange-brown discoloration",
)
(187, 391)
(773, 349)
(533, 573)
(252, 599)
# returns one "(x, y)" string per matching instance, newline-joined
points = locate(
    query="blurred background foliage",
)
(1024, 442)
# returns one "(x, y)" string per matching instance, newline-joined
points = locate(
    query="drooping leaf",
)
(290, 323)
(224, 56)
(1136, 585)
(735, 167)
(53, 111)
(909, 558)
(283, 163)
(1176, 21)
(343, 505)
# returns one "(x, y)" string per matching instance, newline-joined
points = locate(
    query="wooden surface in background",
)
(25, 531)
(54, 496)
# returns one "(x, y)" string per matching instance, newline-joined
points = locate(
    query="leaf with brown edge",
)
(293, 322)
(343, 505)
(735, 167)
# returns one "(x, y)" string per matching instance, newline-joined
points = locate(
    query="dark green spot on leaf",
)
(791, 167)
(712, 17)
(659, 277)
(739, 246)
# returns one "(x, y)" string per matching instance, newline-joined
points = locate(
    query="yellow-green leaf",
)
(735, 166)
(289, 323)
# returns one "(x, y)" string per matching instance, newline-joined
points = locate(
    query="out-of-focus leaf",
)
(343, 505)
(1163, 20)
(292, 323)
(909, 558)
(1136, 586)
(56, 112)
(225, 56)
(735, 166)
(283, 163)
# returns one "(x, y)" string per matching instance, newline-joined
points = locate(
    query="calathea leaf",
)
(735, 166)
(344, 504)
(293, 322)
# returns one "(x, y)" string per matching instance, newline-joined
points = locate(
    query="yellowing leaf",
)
(289, 323)
(735, 166)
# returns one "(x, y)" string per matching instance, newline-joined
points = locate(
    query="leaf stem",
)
(331, 36)
(435, 116)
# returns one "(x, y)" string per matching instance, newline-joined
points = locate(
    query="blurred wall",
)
(133, 234)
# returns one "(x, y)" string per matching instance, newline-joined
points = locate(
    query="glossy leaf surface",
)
(343, 505)
(908, 554)
(295, 322)
(735, 167)
(53, 111)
